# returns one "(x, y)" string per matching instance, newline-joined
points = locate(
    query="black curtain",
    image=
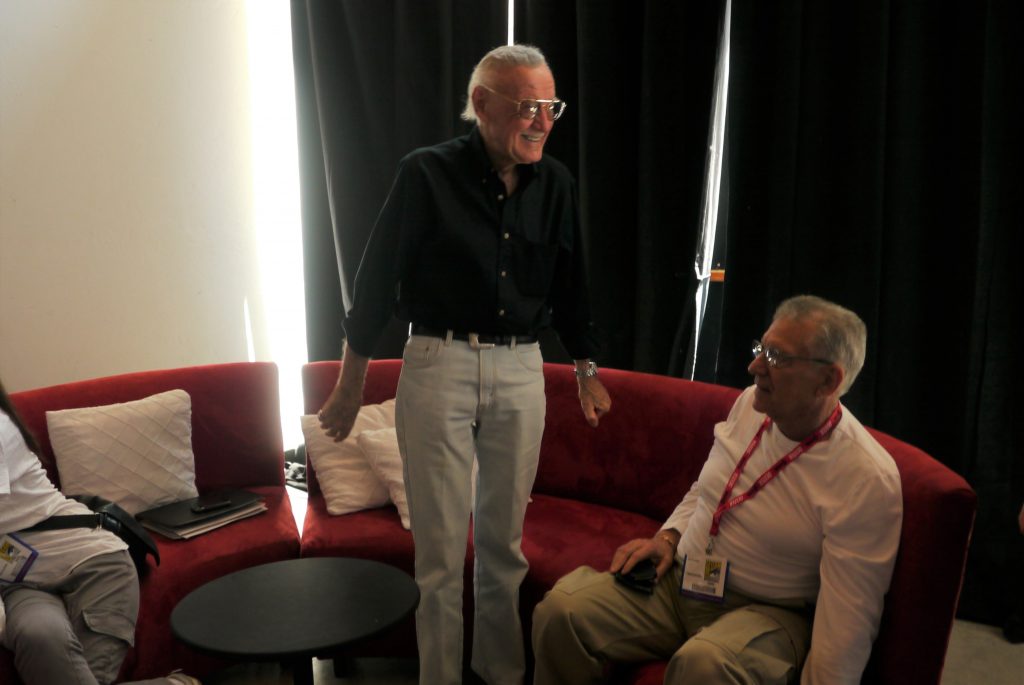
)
(638, 78)
(374, 80)
(874, 156)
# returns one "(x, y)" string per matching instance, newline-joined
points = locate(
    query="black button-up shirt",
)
(451, 251)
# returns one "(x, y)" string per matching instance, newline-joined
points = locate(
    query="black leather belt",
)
(480, 338)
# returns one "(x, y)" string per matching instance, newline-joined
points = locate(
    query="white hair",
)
(499, 58)
(841, 336)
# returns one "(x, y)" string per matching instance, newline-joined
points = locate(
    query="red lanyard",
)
(728, 502)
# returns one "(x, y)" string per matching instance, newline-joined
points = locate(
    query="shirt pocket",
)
(533, 265)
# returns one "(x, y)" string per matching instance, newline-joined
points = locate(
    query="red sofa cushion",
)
(187, 564)
(644, 454)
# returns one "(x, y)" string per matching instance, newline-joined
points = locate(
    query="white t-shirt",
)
(27, 497)
(825, 531)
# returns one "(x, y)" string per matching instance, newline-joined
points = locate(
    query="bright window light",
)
(511, 22)
(276, 213)
(713, 186)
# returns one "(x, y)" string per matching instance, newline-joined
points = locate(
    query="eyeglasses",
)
(528, 109)
(776, 359)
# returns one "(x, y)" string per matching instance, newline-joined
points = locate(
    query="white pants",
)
(454, 401)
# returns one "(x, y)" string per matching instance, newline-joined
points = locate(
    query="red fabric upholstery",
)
(938, 516)
(641, 457)
(597, 488)
(236, 438)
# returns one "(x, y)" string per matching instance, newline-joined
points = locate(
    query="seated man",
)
(794, 521)
(69, 598)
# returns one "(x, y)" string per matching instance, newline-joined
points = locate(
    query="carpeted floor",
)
(978, 655)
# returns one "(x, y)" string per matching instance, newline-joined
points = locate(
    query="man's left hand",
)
(594, 400)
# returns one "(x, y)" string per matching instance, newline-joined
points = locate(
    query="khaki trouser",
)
(588, 621)
(452, 401)
(77, 629)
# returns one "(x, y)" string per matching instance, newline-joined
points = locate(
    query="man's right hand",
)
(628, 555)
(339, 412)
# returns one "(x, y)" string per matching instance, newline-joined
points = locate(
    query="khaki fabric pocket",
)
(110, 623)
(422, 351)
(768, 642)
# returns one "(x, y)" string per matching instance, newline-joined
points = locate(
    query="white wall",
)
(127, 237)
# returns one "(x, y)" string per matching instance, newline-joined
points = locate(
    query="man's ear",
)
(479, 98)
(834, 375)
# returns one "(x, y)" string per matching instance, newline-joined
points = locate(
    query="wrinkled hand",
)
(594, 400)
(630, 554)
(338, 414)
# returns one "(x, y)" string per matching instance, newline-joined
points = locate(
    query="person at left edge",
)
(69, 598)
(478, 246)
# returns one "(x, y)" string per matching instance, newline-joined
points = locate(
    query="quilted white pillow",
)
(381, 450)
(137, 454)
(345, 477)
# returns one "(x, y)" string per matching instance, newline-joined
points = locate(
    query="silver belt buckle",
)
(474, 342)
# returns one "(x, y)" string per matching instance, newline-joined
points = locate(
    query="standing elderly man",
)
(794, 521)
(478, 246)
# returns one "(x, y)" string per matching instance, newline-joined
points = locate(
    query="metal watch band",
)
(589, 371)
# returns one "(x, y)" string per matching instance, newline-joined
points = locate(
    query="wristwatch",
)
(588, 371)
(667, 537)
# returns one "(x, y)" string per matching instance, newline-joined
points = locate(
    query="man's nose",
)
(758, 367)
(543, 121)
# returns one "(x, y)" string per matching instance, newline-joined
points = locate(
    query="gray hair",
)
(503, 57)
(841, 337)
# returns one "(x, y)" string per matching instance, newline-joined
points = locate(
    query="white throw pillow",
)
(381, 450)
(345, 477)
(137, 454)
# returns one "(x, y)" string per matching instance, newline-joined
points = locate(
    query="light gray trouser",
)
(75, 631)
(588, 621)
(454, 400)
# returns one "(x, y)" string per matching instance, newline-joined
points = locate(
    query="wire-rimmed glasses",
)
(776, 359)
(529, 108)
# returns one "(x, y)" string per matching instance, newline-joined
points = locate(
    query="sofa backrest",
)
(645, 453)
(642, 457)
(236, 424)
(938, 516)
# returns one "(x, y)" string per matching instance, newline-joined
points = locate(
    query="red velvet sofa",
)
(236, 439)
(597, 488)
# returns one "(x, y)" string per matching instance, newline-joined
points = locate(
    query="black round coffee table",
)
(291, 611)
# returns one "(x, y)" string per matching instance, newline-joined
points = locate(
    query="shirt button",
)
(504, 274)
(500, 198)
(501, 312)
(506, 236)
